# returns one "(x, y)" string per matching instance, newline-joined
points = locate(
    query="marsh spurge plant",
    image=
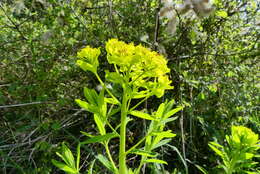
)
(237, 156)
(140, 73)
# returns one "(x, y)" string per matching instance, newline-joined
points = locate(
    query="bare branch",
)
(26, 104)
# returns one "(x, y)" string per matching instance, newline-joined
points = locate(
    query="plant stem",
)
(110, 158)
(122, 154)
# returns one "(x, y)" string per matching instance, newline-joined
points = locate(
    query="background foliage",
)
(214, 67)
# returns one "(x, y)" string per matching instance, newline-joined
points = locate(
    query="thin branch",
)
(16, 26)
(26, 104)
(23, 144)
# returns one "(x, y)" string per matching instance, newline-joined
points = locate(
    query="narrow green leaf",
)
(62, 157)
(105, 162)
(91, 95)
(101, 97)
(90, 170)
(114, 77)
(82, 104)
(87, 106)
(216, 144)
(168, 120)
(86, 66)
(67, 154)
(138, 95)
(64, 167)
(78, 157)
(172, 112)
(182, 159)
(160, 110)
(217, 151)
(104, 110)
(142, 115)
(153, 160)
(164, 134)
(99, 124)
(249, 155)
(169, 106)
(143, 153)
(111, 101)
(100, 138)
(86, 134)
(161, 143)
(204, 171)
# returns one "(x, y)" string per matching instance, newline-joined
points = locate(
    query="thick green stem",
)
(122, 154)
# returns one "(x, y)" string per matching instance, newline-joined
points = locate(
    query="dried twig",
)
(26, 104)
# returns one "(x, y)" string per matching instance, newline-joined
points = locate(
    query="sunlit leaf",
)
(99, 124)
(155, 161)
(144, 153)
(105, 162)
(64, 167)
(172, 112)
(91, 95)
(67, 154)
(86, 66)
(78, 157)
(160, 110)
(222, 14)
(142, 115)
(161, 143)
(100, 138)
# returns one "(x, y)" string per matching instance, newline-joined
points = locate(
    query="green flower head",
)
(242, 136)
(88, 58)
(88, 54)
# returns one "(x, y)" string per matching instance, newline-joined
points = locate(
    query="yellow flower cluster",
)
(89, 58)
(147, 68)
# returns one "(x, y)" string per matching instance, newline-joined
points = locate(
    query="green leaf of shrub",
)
(160, 110)
(201, 169)
(105, 162)
(161, 143)
(100, 138)
(99, 124)
(64, 167)
(78, 156)
(172, 112)
(155, 161)
(67, 154)
(91, 95)
(222, 14)
(144, 153)
(86, 66)
(142, 115)
(164, 134)
(87, 106)
(111, 101)
(90, 170)
(114, 77)
(216, 150)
